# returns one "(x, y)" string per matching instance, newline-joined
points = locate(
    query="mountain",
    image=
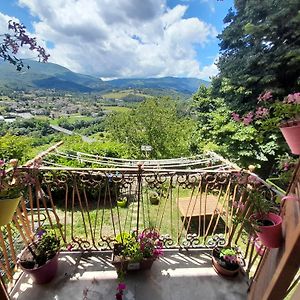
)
(50, 76)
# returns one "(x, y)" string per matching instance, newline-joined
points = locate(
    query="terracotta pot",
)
(44, 273)
(7, 209)
(220, 269)
(292, 137)
(270, 236)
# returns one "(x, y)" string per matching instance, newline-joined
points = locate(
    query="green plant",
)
(41, 250)
(229, 255)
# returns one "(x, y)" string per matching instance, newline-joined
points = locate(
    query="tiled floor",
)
(176, 276)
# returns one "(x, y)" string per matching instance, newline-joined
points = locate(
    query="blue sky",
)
(125, 38)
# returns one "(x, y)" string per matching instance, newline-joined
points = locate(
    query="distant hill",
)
(49, 76)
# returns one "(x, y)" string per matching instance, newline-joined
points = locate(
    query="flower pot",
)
(7, 209)
(122, 203)
(123, 264)
(269, 235)
(222, 268)
(292, 137)
(44, 273)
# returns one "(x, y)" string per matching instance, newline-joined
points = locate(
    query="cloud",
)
(122, 38)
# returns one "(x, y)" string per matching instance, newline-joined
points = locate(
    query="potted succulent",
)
(11, 186)
(40, 258)
(225, 261)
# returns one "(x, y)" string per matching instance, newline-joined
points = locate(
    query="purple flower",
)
(293, 98)
(248, 118)
(2, 162)
(40, 232)
(236, 117)
(121, 286)
(261, 112)
(265, 96)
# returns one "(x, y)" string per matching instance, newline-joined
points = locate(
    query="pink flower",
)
(293, 98)
(248, 118)
(261, 112)
(236, 117)
(69, 247)
(2, 162)
(265, 96)
(121, 286)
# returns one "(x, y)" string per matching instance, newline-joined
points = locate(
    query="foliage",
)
(229, 255)
(259, 51)
(12, 180)
(12, 42)
(217, 131)
(154, 122)
(43, 249)
(14, 147)
(145, 245)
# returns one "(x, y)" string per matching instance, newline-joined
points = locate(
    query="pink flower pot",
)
(270, 236)
(44, 273)
(292, 137)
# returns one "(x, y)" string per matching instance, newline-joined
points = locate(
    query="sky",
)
(124, 38)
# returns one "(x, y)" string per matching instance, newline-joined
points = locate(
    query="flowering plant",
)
(11, 44)
(270, 112)
(11, 183)
(136, 247)
(45, 247)
(229, 255)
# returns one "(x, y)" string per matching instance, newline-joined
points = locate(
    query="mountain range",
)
(53, 76)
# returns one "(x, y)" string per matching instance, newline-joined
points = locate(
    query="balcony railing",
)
(191, 209)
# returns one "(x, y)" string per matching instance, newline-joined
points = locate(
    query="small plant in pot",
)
(122, 202)
(225, 261)
(265, 220)
(12, 185)
(135, 252)
(40, 258)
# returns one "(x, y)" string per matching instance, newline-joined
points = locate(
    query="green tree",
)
(154, 122)
(260, 50)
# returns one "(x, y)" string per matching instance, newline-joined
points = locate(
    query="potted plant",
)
(136, 252)
(40, 258)
(122, 202)
(265, 221)
(154, 197)
(225, 261)
(11, 186)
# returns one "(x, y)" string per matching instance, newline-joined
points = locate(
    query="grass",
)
(116, 108)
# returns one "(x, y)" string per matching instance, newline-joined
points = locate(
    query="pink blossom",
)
(2, 162)
(265, 96)
(293, 98)
(248, 118)
(121, 286)
(236, 117)
(261, 112)
(69, 247)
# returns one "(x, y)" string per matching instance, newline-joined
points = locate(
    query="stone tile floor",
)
(177, 275)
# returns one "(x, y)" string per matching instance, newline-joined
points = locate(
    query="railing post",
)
(3, 292)
(139, 191)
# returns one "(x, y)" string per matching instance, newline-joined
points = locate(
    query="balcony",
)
(194, 211)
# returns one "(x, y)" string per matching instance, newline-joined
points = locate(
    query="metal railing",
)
(88, 208)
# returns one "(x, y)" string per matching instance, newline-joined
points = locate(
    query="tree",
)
(154, 122)
(260, 50)
(11, 43)
(217, 131)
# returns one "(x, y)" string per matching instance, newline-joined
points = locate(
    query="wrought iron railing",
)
(191, 209)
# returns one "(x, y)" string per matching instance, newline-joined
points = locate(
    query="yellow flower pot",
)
(7, 209)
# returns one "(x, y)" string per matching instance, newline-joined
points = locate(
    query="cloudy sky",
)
(125, 38)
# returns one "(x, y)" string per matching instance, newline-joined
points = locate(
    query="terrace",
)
(196, 210)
